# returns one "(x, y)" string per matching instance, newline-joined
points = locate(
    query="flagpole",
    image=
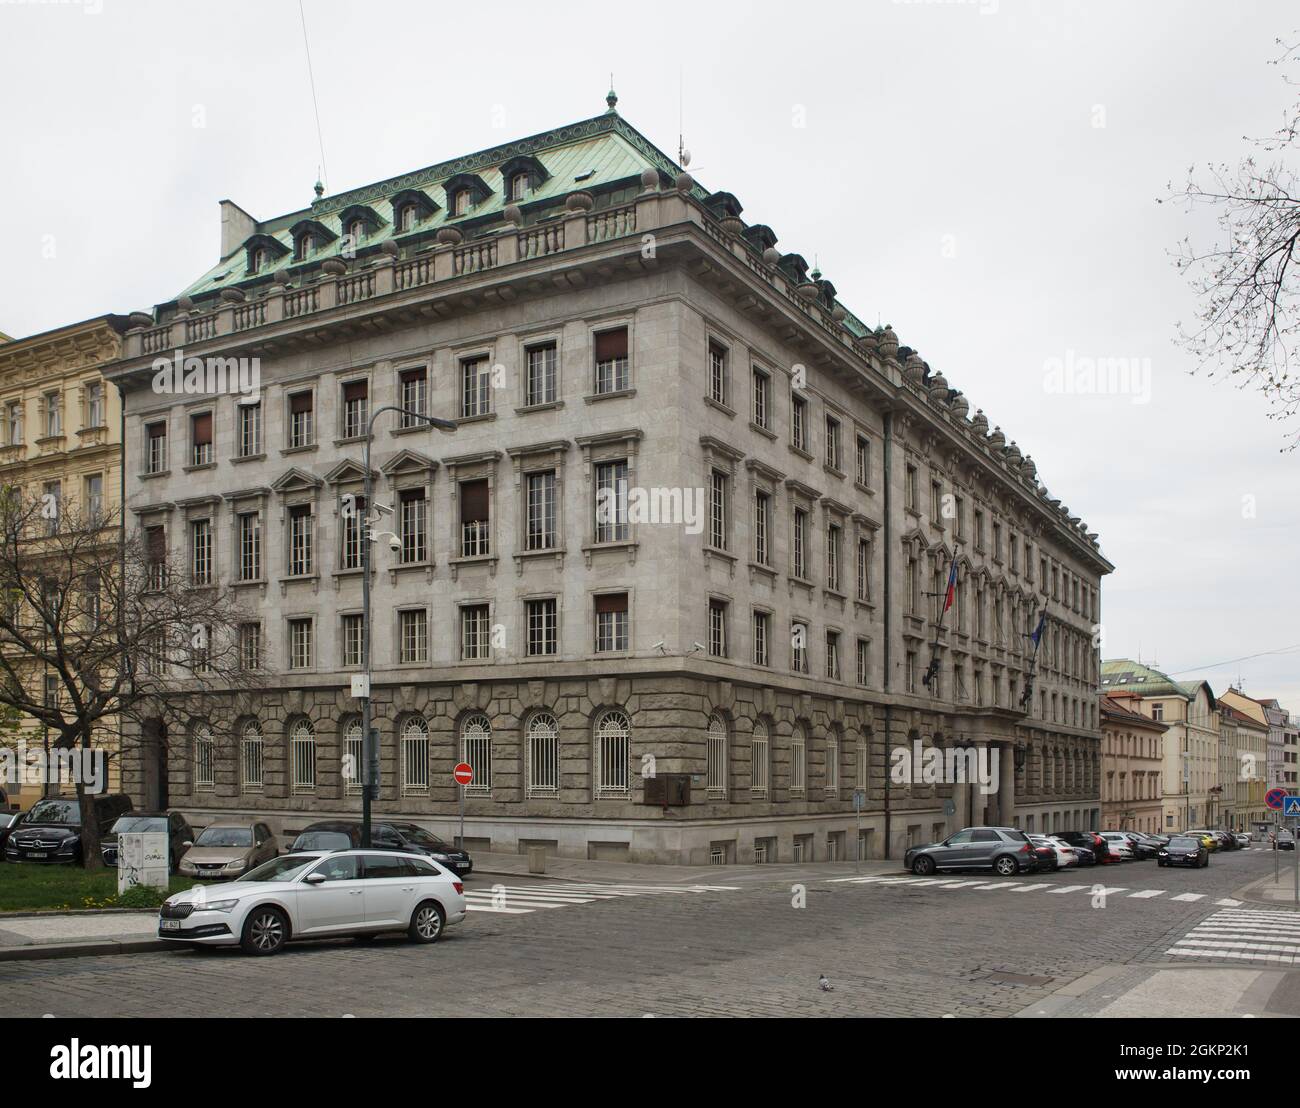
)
(1037, 637)
(930, 677)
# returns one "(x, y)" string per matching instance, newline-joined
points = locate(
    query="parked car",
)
(1044, 854)
(50, 830)
(1118, 843)
(1064, 854)
(1092, 840)
(340, 834)
(179, 833)
(1005, 850)
(228, 850)
(1184, 850)
(1227, 840)
(1243, 839)
(1210, 839)
(315, 895)
(7, 820)
(1285, 840)
(337, 834)
(1142, 846)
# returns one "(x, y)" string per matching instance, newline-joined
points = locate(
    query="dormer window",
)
(406, 219)
(519, 186)
(303, 245)
(262, 251)
(356, 231)
(464, 192)
(309, 235)
(521, 176)
(256, 259)
(460, 204)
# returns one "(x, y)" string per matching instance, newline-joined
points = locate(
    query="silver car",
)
(1005, 850)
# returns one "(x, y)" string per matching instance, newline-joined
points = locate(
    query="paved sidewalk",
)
(1280, 893)
(66, 935)
(1173, 992)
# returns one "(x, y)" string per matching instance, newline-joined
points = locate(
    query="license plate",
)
(37, 854)
(169, 925)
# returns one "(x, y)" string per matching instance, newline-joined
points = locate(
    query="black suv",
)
(50, 831)
(342, 834)
(179, 832)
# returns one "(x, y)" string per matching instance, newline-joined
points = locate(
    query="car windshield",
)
(225, 836)
(54, 811)
(1184, 843)
(421, 837)
(140, 823)
(322, 840)
(286, 868)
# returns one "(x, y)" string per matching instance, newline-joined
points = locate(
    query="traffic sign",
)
(463, 773)
(1291, 806)
(1274, 797)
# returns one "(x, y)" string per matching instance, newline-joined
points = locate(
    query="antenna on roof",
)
(314, 103)
(683, 155)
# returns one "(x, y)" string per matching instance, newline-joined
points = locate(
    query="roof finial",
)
(611, 97)
(320, 189)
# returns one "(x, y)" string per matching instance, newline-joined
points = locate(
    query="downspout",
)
(889, 607)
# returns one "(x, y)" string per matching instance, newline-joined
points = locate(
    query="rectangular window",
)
(863, 463)
(474, 519)
(798, 764)
(832, 442)
(475, 632)
(833, 557)
(979, 530)
(540, 531)
(14, 423)
(762, 398)
(833, 655)
(936, 503)
(155, 553)
(611, 361)
(356, 409)
(250, 646)
(201, 551)
(762, 635)
(155, 447)
(718, 628)
(799, 423)
(717, 372)
(201, 439)
(762, 527)
(997, 541)
(413, 525)
(958, 512)
(250, 546)
(909, 489)
(611, 502)
(53, 414)
(300, 644)
(718, 510)
(250, 429)
(540, 387)
(354, 631)
(300, 540)
(354, 527)
(94, 494)
(800, 566)
(95, 412)
(414, 628)
(864, 570)
(799, 647)
(832, 771)
(864, 661)
(302, 430)
(611, 622)
(543, 626)
(413, 385)
(759, 760)
(52, 509)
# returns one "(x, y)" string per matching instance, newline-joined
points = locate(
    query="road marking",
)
(1146, 894)
(1027, 888)
(1188, 897)
(515, 900)
(1243, 935)
(998, 885)
(1070, 888)
(1227, 902)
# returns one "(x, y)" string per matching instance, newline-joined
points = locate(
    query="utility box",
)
(142, 860)
(668, 790)
(537, 859)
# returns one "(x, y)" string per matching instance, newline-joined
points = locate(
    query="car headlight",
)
(440, 857)
(236, 864)
(67, 845)
(217, 906)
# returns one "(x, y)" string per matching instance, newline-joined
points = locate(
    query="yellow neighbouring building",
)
(60, 433)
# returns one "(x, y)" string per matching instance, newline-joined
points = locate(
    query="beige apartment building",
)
(1191, 747)
(1132, 766)
(1243, 770)
(60, 435)
(673, 583)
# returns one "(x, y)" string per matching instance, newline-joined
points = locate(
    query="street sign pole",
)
(460, 845)
(463, 775)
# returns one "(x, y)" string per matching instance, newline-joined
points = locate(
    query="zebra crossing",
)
(951, 884)
(1243, 934)
(520, 900)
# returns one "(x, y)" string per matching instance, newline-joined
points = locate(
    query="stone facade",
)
(1132, 762)
(837, 475)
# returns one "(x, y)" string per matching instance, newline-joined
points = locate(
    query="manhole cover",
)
(1000, 978)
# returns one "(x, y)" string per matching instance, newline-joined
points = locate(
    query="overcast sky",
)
(981, 175)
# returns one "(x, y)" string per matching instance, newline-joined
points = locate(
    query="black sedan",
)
(1183, 851)
(346, 834)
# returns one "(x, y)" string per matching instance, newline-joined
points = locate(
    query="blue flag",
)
(1038, 631)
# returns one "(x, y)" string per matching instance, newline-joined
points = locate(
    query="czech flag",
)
(952, 586)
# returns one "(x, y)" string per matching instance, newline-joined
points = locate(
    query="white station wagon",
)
(317, 895)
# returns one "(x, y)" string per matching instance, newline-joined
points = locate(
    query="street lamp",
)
(370, 748)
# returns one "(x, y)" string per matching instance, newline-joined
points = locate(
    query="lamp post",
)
(370, 749)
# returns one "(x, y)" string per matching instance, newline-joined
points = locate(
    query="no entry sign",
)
(463, 773)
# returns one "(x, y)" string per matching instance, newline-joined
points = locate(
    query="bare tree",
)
(1246, 282)
(100, 631)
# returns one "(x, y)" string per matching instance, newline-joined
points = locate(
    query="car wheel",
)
(265, 931)
(923, 866)
(426, 923)
(1005, 866)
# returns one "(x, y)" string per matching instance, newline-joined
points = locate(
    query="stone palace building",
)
(672, 585)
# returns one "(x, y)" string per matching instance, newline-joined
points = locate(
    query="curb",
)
(97, 949)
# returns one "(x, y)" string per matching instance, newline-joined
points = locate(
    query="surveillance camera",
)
(394, 544)
(658, 646)
(698, 645)
(383, 508)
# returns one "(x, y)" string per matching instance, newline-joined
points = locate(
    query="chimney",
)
(236, 227)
